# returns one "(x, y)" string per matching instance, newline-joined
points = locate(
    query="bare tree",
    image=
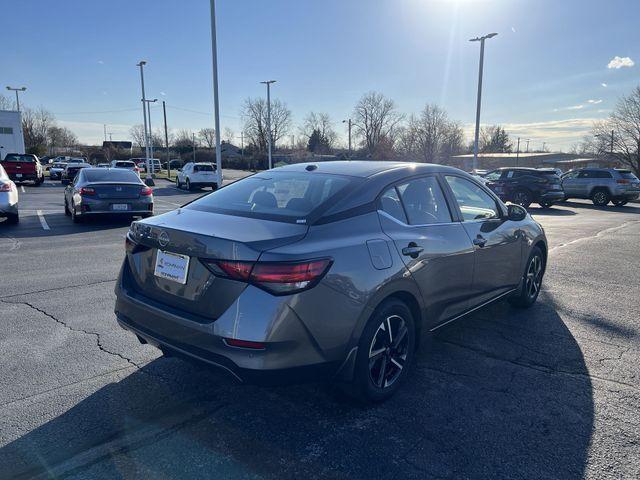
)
(229, 135)
(254, 116)
(35, 129)
(5, 103)
(137, 135)
(61, 137)
(320, 122)
(375, 119)
(624, 121)
(431, 136)
(208, 137)
(494, 139)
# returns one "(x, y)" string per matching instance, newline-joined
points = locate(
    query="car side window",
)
(493, 176)
(424, 202)
(570, 175)
(390, 204)
(474, 202)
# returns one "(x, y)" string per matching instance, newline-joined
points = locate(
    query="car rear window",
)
(279, 196)
(203, 168)
(628, 174)
(19, 158)
(125, 164)
(103, 175)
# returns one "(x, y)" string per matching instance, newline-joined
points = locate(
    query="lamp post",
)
(153, 167)
(148, 179)
(477, 133)
(348, 122)
(216, 106)
(268, 84)
(17, 89)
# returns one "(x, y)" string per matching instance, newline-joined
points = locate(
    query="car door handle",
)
(412, 250)
(480, 241)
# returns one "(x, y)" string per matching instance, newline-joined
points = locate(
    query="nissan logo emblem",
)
(163, 239)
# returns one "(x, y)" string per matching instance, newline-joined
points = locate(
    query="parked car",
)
(71, 170)
(113, 191)
(328, 270)
(174, 164)
(602, 185)
(524, 186)
(76, 160)
(8, 198)
(23, 167)
(55, 172)
(197, 175)
(125, 164)
(155, 165)
(103, 165)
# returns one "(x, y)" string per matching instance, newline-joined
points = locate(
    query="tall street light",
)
(148, 179)
(268, 84)
(216, 106)
(348, 121)
(475, 143)
(17, 89)
(153, 167)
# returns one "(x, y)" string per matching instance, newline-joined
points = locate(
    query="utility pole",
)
(216, 106)
(479, 102)
(293, 142)
(104, 125)
(269, 138)
(611, 149)
(110, 139)
(543, 146)
(193, 141)
(166, 138)
(527, 145)
(518, 153)
(148, 179)
(349, 127)
(17, 89)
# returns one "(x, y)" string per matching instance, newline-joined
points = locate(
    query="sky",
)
(554, 68)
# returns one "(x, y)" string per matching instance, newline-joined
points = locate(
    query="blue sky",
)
(77, 59)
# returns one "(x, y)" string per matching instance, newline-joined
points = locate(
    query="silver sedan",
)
(8, 198)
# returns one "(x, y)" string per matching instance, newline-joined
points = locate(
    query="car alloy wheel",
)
(522, 198)
(388, 351)
(188, 184)
(600, 198)
(533, 279)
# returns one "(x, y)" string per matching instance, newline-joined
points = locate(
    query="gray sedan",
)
(332, 270)
(8, 198)
(101, 191)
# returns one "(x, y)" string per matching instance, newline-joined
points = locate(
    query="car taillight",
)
(234, 342)
(6, 187)
(87, 191)
(278, 278)
(146, 191)
(623, 182)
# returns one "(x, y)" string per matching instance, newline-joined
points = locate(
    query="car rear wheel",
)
(74, 216)
(67, 212)
(600, 198)
(531, 280)
(187, 184)
(620, 203)
(178, 185)
(13, 219)
(522, 198)
(385, 352)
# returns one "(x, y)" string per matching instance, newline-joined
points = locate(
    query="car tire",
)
(187, 184)
(522, 197)
(531, 281)
(600, 197)
(13, 218)
(383, 360)
(178, 185)
(74, 217)
(620, 203)
(67, 212)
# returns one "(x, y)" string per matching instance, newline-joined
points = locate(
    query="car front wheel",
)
(385, 352)
(531, 280)
(600, 198)
(522, 198)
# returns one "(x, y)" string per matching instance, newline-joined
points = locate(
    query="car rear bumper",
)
(89, 206)
(203, 184)
(25, 176)
(290, 355)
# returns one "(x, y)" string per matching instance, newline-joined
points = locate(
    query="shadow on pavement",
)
(628, 208)
(554, 211)
(60, 224)
(502, 394)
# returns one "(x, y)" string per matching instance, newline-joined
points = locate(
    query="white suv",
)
(197, 175)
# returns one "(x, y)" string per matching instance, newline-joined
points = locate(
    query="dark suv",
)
(525, 186)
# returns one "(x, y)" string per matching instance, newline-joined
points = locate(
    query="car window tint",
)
(424, 202)
(203, 168)
(104, 175)
(493, 176)
(390, 204)
(474, 202)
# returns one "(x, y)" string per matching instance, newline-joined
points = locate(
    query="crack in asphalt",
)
(15, 243)
(54, 289)
(597, 234)
(96, 335)
(540, 367)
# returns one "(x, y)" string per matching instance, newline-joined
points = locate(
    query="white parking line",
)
(22, 189)
(170, 203)
(43, 222)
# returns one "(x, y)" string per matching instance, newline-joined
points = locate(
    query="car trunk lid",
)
(108, 191)
(201, 235)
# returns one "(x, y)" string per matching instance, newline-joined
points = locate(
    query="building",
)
(11, 139)
(563, 161)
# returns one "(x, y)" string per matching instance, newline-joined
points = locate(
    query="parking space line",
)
(43, 222)
(170, 203)
(22, 189)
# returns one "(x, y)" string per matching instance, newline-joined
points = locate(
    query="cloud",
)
(163, 93)
(594, 102)
(100, 62)
(575, 107)
(619, 62)
(513, 29)
(604, 85)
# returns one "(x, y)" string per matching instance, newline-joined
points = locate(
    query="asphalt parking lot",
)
(551, 392)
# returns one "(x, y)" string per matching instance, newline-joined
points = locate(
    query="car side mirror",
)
(516, 213)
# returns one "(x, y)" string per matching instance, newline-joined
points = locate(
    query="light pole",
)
(193, 141)
(18, 89)
(216, 106)
(148, 179)
(153, 168)
(518, 153)
(268, 84)
(475, 143)
(348, 121)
